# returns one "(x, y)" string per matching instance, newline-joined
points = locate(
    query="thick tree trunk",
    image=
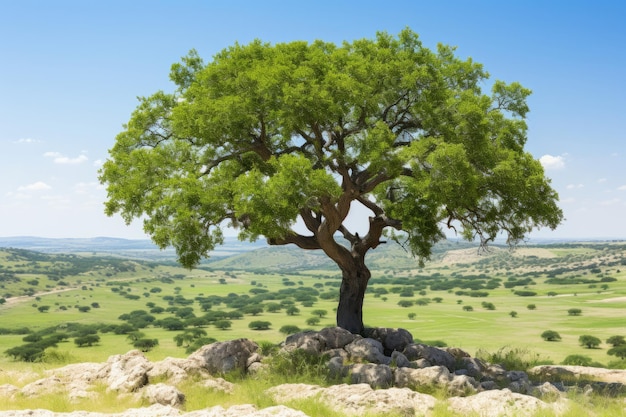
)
(351, 294)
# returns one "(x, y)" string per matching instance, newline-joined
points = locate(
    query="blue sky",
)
(70, 73)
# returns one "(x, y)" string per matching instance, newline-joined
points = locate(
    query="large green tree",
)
(282, 141)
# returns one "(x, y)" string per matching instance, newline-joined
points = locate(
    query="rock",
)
(497, 403)
(336, 369)
(367, 350)
(290, 392)
(462, 386)
(335, 338)
(438, 376)
(547, 391)
(473, 367)
(400, 360)
(434, 356)
(8, 390)
(48, 385)
(219, 384)
(554, 373)
(308, 341)
(164, 394)
(391, 339)
(361, 399)
(247, 410)
(173, 370)
(224, 357)
(127, 372)
(376, 376)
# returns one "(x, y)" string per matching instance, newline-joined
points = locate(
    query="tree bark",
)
(351, 295)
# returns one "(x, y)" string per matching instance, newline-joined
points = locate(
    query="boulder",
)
(391, 339)
(376, 376)
(292, 392)
(335, 338)
(434, 356)
(219, 384)
(400, 360)
(225, 357)
(164, 394)
(8, 390)
(361, 399)
(588, 373)
(499, 403)
(462, 386)
(127, 372)
(308, 341)
(367, 350)
(437, 376)
(173, 370)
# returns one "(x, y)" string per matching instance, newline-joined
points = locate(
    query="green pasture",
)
(480, 329)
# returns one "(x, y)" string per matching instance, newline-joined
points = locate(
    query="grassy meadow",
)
(590, 277)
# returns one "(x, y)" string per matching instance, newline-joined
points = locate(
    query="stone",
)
(335, 338)
(498, 403)
(376, 376)
(367, 350)
(400, 360)
(438, 376)
(360, 399)
(219, 384)
(434, 356)
(391, 339)
(164, 394)
(224, 357)
(570, 372)
(127, 372)
(462, 386)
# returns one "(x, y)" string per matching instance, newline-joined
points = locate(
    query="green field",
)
(589, 276)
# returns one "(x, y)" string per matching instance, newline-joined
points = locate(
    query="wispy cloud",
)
(27, 140)
(573, 186)
(36, 186)
(59, 158)
(98, 163)
(622, 188)
(550, 162)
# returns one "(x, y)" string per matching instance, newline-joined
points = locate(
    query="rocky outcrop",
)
(502, 403)
(224, 357)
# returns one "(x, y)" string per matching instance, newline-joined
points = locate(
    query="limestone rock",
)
(432, 376)
(554, 372)
(497, 403)
(127, 372)
(433, 355)
(376, 376)
(335, 338)
(164, 394)
(224, 357)
(367, 350)
(361, 399)
(392, 339)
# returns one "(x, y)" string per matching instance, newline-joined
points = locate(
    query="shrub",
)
(588, 341)
(550, 336)
(87, 340)
(259, 325)
(289, 329)
(574, 312)
(405, 303)
(313, 321)
(619, 351)
(468, 308)
(531, 306)
(616, 341)
(145, 345)
(223, 324)
(578, 360)
(518, 359)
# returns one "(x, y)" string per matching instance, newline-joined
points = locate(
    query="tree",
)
(88, 340)
(574, 312)
(259, 325)
(616, 341)
(266, 136)
(145, 345)
(550, 336)
(590, 342)
(320, 313)
(619, 351)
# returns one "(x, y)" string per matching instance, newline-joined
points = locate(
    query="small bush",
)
(551, 336)
(578, 360)
(512, 359)
(289, 329)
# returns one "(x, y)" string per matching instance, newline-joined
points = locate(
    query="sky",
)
(71, 72)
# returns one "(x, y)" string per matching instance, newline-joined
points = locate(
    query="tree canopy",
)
(282, 141)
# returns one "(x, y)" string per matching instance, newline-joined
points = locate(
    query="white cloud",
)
(572, 186)
(98, 163)
(27, 140)
(550, 162)
(62, 159)
(87, 187)
(36, 186)
(622, 188)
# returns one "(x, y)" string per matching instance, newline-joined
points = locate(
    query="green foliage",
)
(512, 359)
(616, 341)
(87, 340)
(588, 341)
(289, 329)
(619, 351)
(145, 345)
(578, 360)
(300, 366)
(574, 312)
(259, 325)
(550, 336)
